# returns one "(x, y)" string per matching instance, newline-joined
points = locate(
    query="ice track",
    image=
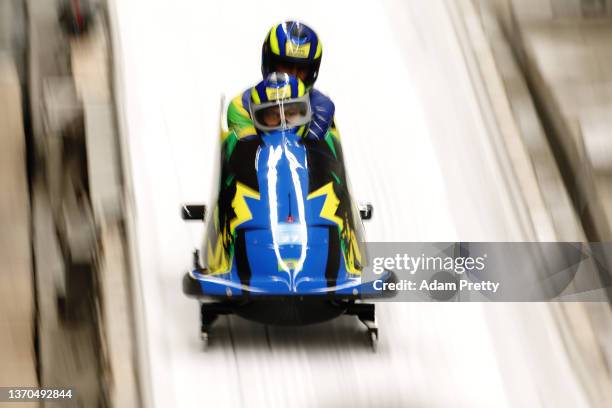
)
(416, 146)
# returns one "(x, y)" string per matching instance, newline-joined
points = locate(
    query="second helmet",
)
(295, 43)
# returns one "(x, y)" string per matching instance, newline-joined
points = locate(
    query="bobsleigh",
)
(284, 242)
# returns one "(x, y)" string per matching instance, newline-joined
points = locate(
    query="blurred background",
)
(461, 120)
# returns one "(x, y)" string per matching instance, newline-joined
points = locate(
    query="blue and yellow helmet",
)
(280, 102)
(295, 43)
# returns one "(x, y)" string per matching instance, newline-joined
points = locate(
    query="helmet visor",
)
(282, 114)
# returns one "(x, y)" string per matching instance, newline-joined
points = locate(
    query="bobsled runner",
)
(284, 243)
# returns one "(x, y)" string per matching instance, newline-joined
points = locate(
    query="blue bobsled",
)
(284, 242)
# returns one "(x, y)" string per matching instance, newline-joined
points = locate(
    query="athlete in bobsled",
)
(284, 243)
(295, 49)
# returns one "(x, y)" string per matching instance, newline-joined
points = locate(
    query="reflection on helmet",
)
(280, 102)
(292, 43)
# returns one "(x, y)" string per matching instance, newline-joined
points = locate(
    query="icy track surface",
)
(415, 146)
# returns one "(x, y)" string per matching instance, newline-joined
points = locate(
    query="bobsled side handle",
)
(193, 212)
(365, 211)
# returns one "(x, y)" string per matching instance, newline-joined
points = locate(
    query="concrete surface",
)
(17, 304)
(564, 56)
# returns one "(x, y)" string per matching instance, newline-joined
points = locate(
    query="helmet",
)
(280, 102)
(295, 43)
